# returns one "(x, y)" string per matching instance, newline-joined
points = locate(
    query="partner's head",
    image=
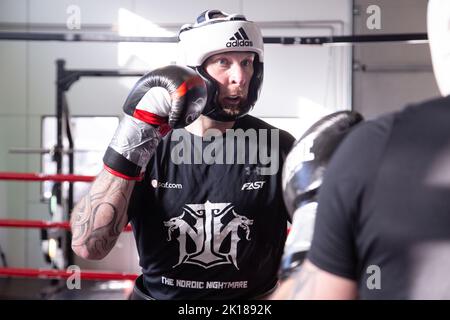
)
(439, 39)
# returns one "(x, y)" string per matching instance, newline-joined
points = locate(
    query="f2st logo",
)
(253, 185)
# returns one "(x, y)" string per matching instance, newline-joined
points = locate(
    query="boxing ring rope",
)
(53, 273)
(42, 224)
(63, 274)
(19, 176)
(308, 40)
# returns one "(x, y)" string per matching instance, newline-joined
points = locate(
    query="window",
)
(91, 136)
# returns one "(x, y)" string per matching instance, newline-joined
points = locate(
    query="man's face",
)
(233, 71)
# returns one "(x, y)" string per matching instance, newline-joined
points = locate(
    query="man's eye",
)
(222, 62)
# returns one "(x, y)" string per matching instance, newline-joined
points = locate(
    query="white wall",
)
(397, 73)
(299, 82)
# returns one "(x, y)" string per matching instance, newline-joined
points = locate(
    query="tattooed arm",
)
(312, 283)
(99, 218)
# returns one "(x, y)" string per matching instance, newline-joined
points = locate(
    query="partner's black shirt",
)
(384, 207)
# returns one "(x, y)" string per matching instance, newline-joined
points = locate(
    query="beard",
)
(233, 109)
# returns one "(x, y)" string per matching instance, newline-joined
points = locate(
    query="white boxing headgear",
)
(439, 38)
(217, 32)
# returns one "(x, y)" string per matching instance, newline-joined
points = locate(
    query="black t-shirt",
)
(384, 208)
(209, 218)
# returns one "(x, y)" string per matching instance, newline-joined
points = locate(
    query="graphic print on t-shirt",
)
(207, 234)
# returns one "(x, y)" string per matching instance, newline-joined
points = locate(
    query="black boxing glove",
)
(166, 98)
(303, 172)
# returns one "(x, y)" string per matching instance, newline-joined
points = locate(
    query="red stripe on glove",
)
(149, 117)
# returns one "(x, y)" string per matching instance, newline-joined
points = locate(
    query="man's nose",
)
(237, 75)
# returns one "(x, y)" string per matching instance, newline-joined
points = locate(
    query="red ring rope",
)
(51, 273)
(38, 224)
(45, 177)
(63, 274)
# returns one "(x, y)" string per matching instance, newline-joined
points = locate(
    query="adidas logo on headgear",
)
(240, 39)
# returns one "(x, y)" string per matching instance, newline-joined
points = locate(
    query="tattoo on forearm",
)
(98, 219)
